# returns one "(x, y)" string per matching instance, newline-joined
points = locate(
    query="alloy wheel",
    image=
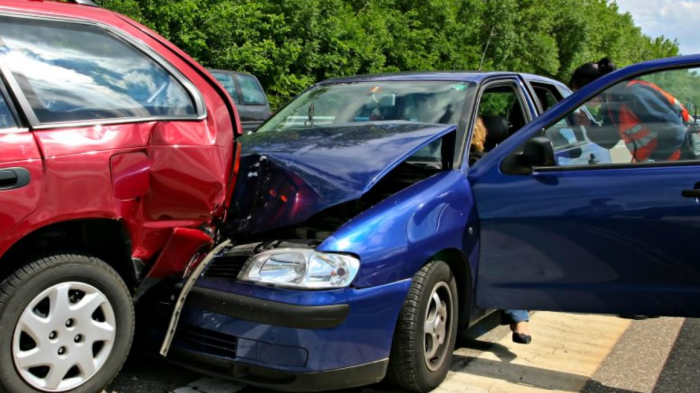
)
(436, 327)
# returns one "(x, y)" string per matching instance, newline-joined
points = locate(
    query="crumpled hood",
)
(297, 173)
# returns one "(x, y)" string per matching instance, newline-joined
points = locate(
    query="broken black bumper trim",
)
(268, 312)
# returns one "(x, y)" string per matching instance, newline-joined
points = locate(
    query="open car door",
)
(614, 234)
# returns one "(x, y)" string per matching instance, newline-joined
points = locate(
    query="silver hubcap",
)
(63, 337)
(436, 327)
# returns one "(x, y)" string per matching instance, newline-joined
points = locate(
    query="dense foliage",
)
(290, 44)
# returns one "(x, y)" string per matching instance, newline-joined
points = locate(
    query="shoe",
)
(520, 338)
(634, 317)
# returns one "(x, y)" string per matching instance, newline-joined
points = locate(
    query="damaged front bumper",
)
(180, 301)
(268, 312)
(283, 339)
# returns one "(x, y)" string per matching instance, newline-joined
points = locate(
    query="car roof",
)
(543, 79)
(457, 76)
(58, 8)
(480, 76)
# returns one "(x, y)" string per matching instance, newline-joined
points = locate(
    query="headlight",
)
(300, 268)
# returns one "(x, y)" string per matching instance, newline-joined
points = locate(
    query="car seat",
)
(496, 131)
(516, 118)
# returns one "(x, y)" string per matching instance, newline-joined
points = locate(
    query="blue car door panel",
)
(604, 241)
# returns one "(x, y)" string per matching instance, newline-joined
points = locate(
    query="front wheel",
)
(425, 335)
(67, 322)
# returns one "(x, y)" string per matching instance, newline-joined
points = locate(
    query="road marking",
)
(211, 385)
(566, 351)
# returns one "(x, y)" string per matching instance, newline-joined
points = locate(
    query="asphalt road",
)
(569, 353)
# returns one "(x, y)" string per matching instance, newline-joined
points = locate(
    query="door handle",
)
(694, 193)
(12, 178)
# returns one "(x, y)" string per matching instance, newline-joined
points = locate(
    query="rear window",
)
(251, 91)
(227, 82)
(76, 72)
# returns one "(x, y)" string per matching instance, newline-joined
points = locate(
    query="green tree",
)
(291, 44)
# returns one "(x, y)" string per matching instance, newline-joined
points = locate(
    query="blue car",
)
(364, 239)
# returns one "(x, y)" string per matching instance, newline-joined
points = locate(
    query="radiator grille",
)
(204, 340)
(226, 266)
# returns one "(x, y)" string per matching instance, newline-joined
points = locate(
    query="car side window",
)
(251, 91)
(6, 119)
(563, 136)
(547, 95)
(227, 82)
(641, 120)
(77, 72)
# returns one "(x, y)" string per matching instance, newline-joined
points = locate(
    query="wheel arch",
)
(106, 239)
(461, 268)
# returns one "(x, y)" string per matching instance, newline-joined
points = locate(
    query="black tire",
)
(408, 368)
(30, 282)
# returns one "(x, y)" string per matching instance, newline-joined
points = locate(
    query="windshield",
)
(343, 103)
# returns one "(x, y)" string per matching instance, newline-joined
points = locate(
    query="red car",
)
(117, 160)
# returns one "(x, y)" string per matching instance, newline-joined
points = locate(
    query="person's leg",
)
(518, 321)
(514, 316)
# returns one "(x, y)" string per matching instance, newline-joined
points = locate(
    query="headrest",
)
(496, 130)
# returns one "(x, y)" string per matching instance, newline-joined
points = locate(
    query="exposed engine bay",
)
(294, 202)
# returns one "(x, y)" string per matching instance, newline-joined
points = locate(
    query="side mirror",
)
(538, 151)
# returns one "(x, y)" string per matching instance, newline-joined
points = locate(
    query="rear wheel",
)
(425, 336)
(67, 325)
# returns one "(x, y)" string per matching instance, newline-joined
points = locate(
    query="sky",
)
(674, 19)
